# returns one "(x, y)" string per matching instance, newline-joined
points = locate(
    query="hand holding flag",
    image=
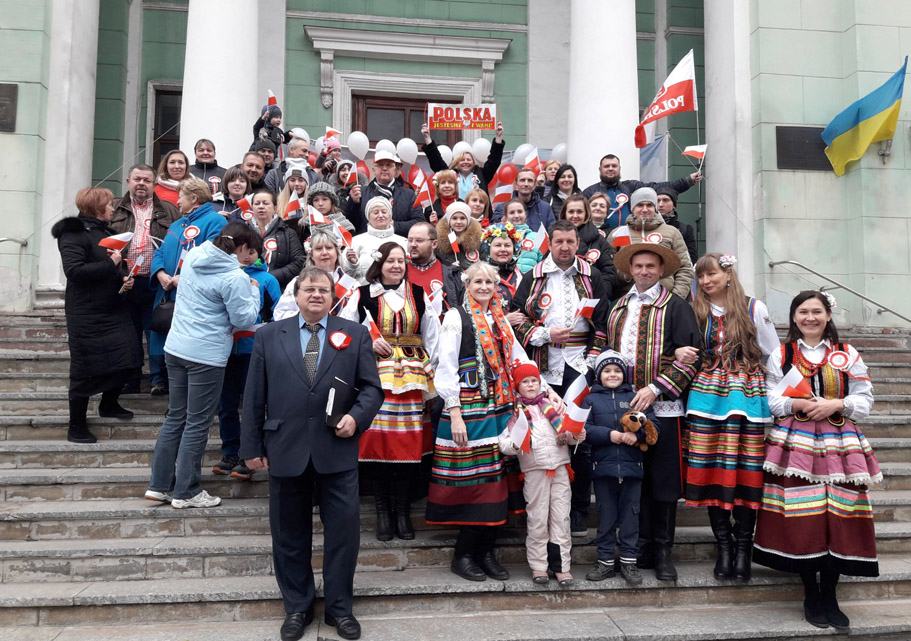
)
(793, 385)
(454, 242)
(293, 208)
(139, 261)
(677, 94)
(370, 324)
(117, 241)
(520, 434)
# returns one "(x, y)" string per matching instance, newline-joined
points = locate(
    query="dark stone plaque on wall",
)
(9, 98)
(801, 148)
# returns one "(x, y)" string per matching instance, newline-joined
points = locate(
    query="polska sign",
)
(440, 116)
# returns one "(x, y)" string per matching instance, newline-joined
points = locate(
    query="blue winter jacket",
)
(269, 293)
(206, 220)
(615, 460)
(214, 297)
(537, 211)
(528, 258)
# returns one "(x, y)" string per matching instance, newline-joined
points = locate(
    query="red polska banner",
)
(440, 116)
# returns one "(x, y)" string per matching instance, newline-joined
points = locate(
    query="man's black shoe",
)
(467, 568)
(492, 568)
(294, 625)
(347, 627)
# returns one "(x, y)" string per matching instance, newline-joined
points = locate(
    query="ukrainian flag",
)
(870, 119)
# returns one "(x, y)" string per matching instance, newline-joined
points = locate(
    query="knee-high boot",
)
(383, 516)
(110, 408)
(828, 582)
(744, 525)
(665, 524)
(812, 603)
(78, 431)
(401, 506)
(720, 520)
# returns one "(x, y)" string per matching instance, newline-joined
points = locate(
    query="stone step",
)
(892, 404)
(887, 426)
(888, 370)
(110, 453)
(33, 331)
(874, 619)
(48, 428)
(55, 345)
(419, 591)
(878, 355)
(56, 403)
(892, 385)
(33, 382)
(28, 362)
(892, 450)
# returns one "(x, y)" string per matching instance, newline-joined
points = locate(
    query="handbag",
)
(162, 315)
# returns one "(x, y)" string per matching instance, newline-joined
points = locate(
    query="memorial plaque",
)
(9, 99)
(801, 148)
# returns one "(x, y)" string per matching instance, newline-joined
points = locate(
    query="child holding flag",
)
(533, 433)
(617, 468)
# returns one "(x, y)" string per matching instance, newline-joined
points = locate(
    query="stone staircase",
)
(84, 557)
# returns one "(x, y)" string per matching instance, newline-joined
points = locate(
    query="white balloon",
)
(559, 153)
(358, 144)
(318, 145)
(521, 153)
(407, 150)
(460, 148)
(386, 145)
(481, 150)
(445, 153)
(300, 132)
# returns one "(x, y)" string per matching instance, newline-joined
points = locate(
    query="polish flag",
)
(247, 333)
(454, 241)
(352, 178)
(330, 132)
(574, 419)
(316, 218)
(577, 391)
(622, 237)
(586, 308)
(294, 205)
(421, 186)
(520, 434)
(183, 254)
(677, 94)
(345, 286)
(244, 203)
(272, 99)
(542, 242)
(793, 385)
(118, 241)
(501, 193)
(532, 162)
(343, 234)
(370, 324)
(696, 151)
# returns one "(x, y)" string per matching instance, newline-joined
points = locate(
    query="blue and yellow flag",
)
(870, 119)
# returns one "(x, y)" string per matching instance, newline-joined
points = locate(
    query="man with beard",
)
(611, 185)
(430, 272)
(667, 207)
(254, 166)
(148, 217)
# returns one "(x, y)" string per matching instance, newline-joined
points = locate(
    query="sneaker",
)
(577, 524)
(631, 573)
(600, 571)
(241, 471)
(203, 499)
(161, 497)
(226, 464)
(159, 390)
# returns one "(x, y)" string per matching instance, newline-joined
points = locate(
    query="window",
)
(396, 118)
(166, 128)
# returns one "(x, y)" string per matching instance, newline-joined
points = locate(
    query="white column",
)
(209, 109)
(603, 86)
(728, 134)
(271, 63)
(548, 82)
(70, 123)
(133, 93)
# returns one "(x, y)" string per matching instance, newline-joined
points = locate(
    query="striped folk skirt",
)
(816, 511)
(727, 412)
(475, 484)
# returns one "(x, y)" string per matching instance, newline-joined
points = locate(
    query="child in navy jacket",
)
(616, 468)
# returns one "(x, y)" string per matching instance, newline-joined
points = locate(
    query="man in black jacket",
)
(404, 212)
(667, 207)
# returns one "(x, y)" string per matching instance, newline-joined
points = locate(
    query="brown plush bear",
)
(634, 421)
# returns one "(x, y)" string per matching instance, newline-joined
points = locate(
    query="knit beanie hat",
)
(273, 111)
(669, 192)
(378, 200)
(333, 144)
(344, 163)
(523, 370)
(610, 357)
(264, 143)
(643, 195)
(323, 189)
(297, 167)
(458, 207)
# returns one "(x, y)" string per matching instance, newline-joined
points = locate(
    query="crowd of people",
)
(447, 352)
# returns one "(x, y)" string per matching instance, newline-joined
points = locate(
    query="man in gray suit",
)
(302, 370)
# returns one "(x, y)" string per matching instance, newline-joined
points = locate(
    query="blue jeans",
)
(177, 463)
(618, 508)
(231, 392)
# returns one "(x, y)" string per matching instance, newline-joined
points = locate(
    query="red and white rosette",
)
(473, 256)
(191, 232)
(339, 340)
(544, 303)
(603, 235)
(247, 215)
(528, 244)
(592, 255)
(621, 199)
(654, 237)
(840, 360)
(270, 246)
(436, 284)
(147, 223)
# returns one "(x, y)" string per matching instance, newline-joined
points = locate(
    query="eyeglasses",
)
(325, 291)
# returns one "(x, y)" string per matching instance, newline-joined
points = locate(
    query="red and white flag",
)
(696, 151)
(247, 333)
(330, 132)
(117, 241)
(244, 203)
(520, 434)
(677, 94)
(586, 308)
(317, 218)
(183, 255)
(434, 300)
(574, 419)
(345, 286)
(343, 234)
(293, 209)
(542, 242)
(422, 187)
(272, 99)
(532, 162)
(794, 385)
(352, 178)
(577, 391)
(370, 324)
(622, 237)
(454, 241)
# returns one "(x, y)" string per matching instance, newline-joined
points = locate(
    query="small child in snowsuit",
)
(547, 474)
(617, 470)
(268, 127)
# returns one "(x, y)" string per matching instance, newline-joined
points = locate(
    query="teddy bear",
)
(634, 421)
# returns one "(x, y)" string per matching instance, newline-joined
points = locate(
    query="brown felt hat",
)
(670, 259)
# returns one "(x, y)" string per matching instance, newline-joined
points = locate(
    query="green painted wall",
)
(109, 94)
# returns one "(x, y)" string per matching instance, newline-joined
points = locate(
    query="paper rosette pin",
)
(622, 199)
(339, 340)
(271, 244)
(472, 256)
(545, 301)
(191, 232)
(435, 285)
(839, 360)
(528, 243)
(654, 237)
(592, 255)
(147, 223)
(247, 215)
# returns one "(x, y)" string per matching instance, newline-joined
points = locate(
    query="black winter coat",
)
(102, 338)
(484, 174)
(287, 260)
(615, 460)
(689, 236)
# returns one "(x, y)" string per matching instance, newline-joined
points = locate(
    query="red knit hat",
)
(524, 369)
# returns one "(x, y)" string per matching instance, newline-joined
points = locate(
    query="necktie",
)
(311, 355)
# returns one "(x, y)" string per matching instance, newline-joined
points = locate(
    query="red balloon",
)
(507, 174)
(362, 169)
(312, 159)
(413, 172)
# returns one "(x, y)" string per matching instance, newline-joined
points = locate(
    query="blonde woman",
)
(471, 175)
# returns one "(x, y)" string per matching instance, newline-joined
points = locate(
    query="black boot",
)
(78, 431)
(828, 582)
(720, 520)
(664, 523)
(110, 408)
(383, 516)
(744, 524)
(645, 560)
(813, 611)
(401, 505)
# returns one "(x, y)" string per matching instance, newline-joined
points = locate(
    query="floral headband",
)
(727, 261)
(830, 298)
(501, 230)
(376, 255)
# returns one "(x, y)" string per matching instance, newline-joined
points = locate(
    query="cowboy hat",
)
(669, 258)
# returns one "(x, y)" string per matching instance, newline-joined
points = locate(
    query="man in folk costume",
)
(562, 343)
(647, 326)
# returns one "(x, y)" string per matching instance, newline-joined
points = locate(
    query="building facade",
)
(102, 84)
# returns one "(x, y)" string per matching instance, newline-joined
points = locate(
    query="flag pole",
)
(699, 169)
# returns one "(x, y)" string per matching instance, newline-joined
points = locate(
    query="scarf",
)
(385, 191)
(488, 341)
(445, 202)
(168, 184)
